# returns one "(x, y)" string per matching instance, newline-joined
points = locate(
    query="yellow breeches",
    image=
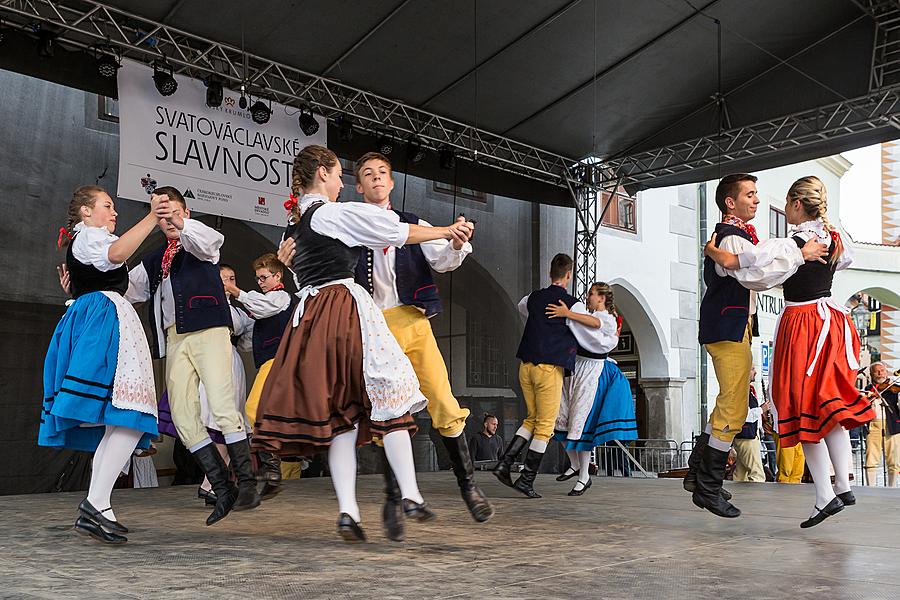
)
(732, 362)
(542, 388)
(256, 391)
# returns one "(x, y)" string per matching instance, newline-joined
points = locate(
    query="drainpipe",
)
(701, 354)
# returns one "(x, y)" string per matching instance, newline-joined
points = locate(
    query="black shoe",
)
(208, 496)
(419, 512)
(87, 509)
(269, 474)
(213, 466)
(567, 476)
(575, 492)
(847, 498)
(392, 517)
(690, 480)
(832, 508)
(248, 496)
(710, 475)
(86, 526)
(525, 482)
(479, 506)
(349, 529)
(504, 465)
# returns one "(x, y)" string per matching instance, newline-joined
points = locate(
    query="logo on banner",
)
(261, 201)
(261, 209)
(189, 194)
(148, 183)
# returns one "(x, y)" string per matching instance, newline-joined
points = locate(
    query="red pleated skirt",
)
(809, 406)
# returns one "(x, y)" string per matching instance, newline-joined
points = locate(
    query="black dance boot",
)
(213, 466)
(269, 474)
(525, 482)
(710, 475)
(248, 496)
(478, 504)
(392, 512)
(501, 471)
(690, 480)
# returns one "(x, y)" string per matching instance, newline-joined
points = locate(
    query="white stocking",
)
(398, 449)
(841, 452)
(819, 464)
(573, 461)
(119, 445)
(584, 459)
(342, 463)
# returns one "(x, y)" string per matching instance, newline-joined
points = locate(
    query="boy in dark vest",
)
(546, 350)
(400, 281)
(271, 310)
(727, 325)
(191, 327)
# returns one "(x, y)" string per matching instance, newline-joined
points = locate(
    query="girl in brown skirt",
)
(339, 377)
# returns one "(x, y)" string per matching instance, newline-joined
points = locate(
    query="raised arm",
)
(560, 310)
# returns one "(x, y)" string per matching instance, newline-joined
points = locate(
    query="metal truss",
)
(89, 24)
(589, 213)
(886, 50)
(877, 109)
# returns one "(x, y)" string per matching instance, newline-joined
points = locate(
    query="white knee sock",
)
(584, 459)
(120, 444)
(538, 445)
(342, 463)
(398, 449)
(573, 460)
(522, 432)
(98, 457)
(819, 464)
(841, 452)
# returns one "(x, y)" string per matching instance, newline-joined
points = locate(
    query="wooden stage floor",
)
(626, 538)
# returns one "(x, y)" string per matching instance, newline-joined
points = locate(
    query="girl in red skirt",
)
(813, 378)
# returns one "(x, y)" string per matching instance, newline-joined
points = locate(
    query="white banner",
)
(223, 162)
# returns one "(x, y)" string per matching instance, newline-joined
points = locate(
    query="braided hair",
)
(86, 195)
(306, 164)
(813, 197)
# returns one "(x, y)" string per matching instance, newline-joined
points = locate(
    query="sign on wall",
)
(765, 357)
(219, 158)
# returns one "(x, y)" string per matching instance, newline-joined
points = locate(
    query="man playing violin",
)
(885, 427)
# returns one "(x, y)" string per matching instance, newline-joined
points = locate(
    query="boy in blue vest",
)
(547, 349)
(727, 325)
(400, 281)
(271, 310)
(191, 327)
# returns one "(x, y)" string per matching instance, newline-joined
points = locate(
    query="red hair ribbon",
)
(63, 232)
(835, 236)
(618, 324)
(291, 203)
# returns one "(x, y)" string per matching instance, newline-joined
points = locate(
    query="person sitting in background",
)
(487, 444)
(748, 462)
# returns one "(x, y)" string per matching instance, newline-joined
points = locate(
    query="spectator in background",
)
(487, 444)
(748, 462)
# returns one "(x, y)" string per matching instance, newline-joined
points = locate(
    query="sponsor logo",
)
(189, 194)
(148, 183)
(261, 200)
(229, 101)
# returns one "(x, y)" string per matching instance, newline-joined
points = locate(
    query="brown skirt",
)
(316, 390)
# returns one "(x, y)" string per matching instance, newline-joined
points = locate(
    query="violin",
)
(892, 387)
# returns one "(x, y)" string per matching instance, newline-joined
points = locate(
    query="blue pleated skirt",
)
(79, 371)
(612, 414)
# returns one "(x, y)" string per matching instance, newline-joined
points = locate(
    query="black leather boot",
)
(478, 504)
(710, 475)
(214, 467)
(525, 482)
(690, 480)
(248, 496)
(269, 474)
(501, 471)
(392, 516)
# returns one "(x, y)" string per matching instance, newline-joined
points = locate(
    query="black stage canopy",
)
(577, 78)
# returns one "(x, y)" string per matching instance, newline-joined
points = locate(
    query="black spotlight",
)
(107, 62)
(415, 152)
(446, 158)
(163, 80)
(46, 45)
(308, 123)
(260, 113)
(215, 92)
(345, 129)
(385, 144)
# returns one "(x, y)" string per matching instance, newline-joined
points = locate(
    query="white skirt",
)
(579, 392)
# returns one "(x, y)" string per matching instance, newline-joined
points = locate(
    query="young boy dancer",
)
(400, 281)
(547, 348)
(271, 310)
(190, 322)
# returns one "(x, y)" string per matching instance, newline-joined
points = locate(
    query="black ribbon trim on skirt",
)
(826, 420)
(823, 405)
(303, 421)
(303, 436)
(83, 395)
(88, 382)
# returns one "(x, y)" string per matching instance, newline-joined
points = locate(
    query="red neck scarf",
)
(171, 250)
(745, 227)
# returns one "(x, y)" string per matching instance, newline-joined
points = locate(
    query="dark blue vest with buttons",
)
(547, 341)
(415, 285)
(725, 308)
(267, 333)
(197, 289)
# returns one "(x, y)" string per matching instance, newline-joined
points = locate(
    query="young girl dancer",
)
(596, 404)
(339, 376)
(98, 380)
(816, 356)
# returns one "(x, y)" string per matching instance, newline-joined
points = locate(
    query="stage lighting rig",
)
(446, 158)
(345, 128)
(215, 92)
(308, 123)
(163, 79)
(46, 45)
(385, 144)
(415, 151)
(260, 113)
(108, 61)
